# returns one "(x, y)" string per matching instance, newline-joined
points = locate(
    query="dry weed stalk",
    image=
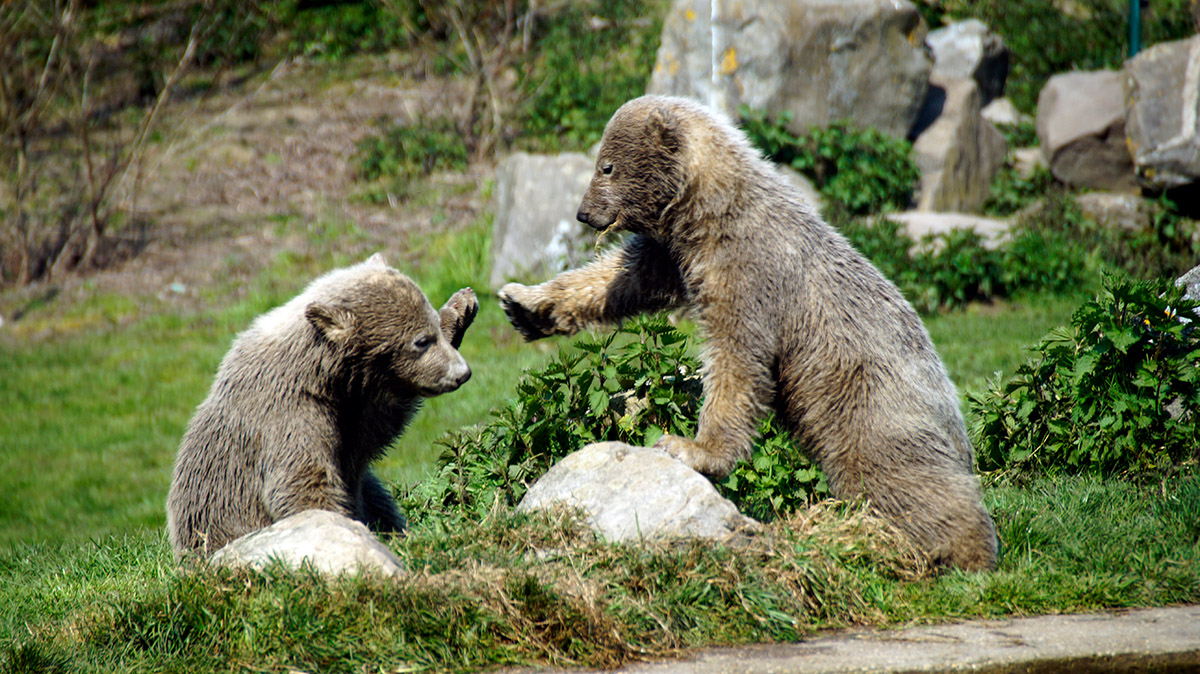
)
(63, 170)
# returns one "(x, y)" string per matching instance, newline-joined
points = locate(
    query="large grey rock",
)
(1162, 107)
(535, 232)
(331, 543)
(633, 493)
(1081, 126)
(820, 60)
(1192, 281)
(919, 224)
(959, 153)
(969, 50)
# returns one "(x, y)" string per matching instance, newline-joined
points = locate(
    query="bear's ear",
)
(336, 323)
(664, 127)
(376, 260)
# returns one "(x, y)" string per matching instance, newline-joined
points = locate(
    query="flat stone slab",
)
(1158, 639)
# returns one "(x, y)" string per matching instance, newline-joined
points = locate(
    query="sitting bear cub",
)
(306, 398)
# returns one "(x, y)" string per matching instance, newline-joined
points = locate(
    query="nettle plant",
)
(1118, 393)
(632, 386)
(858, 171)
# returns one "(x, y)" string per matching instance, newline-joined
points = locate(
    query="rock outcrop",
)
(1081, 126)
(535, 232)
(820, 60)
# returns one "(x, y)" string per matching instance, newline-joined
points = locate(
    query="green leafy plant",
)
(578, 77)
(631, 386)
(859, 171)
(948, 270)
(1011, 192)
(1117, 394)
(406, 152)
(338, 30)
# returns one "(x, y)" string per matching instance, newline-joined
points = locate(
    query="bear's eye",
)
(606, 169)
(423, 342)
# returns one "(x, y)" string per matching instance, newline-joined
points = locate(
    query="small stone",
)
(331, 543)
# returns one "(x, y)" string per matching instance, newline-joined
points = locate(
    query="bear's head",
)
(663, 159)
(385, 331)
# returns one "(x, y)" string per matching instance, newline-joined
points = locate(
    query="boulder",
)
(918, 225)
(1125, 211)
(1027, 160)
(1081, 126)
(1192, 281)
(1002, 112)
(969, 50)
(1162, 109)
(632, 493)
(820, 60)
(331, 543)
(535, 232)
(959, 153)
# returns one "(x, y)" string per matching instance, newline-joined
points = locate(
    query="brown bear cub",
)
(794, 319)
(306, 398)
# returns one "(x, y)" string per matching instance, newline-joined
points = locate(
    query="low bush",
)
(946, 271)
(1116, 394)
(858, 171)
(402, 153)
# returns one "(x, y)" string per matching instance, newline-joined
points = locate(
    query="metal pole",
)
(1135, 27)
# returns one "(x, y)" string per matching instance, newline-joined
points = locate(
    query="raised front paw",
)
(457, 314)
(517, 302)
(695, 456)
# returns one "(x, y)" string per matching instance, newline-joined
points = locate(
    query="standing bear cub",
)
(794, 318)
(306, 398)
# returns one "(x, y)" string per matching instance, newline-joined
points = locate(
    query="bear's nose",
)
(582, 216)
(462, 378)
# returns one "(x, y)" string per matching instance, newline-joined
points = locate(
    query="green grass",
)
(93, 416)
(512, 590)
(101, 410)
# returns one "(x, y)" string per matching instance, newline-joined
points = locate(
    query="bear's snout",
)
(582, 216)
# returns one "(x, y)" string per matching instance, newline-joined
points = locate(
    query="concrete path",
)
(1145, 640)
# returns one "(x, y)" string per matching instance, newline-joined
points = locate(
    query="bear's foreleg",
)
(457, 314)
(636, 278)
(738, 387)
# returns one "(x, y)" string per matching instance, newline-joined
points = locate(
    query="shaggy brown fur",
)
(794, 317)
(306, 398)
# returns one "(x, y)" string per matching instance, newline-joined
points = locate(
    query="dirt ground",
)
(236, 162)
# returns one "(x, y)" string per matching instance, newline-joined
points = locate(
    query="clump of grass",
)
(502, 590)
(541, 590)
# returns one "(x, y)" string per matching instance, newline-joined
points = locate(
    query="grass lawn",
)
(94, 415)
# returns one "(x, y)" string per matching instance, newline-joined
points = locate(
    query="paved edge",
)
(1157, 639)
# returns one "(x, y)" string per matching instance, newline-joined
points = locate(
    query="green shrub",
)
(335, 31)
(946, 271)
(589, 59)
(631, 386)
(1010, 192)
(406, 152)
(859, 171)
(1117, 394)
